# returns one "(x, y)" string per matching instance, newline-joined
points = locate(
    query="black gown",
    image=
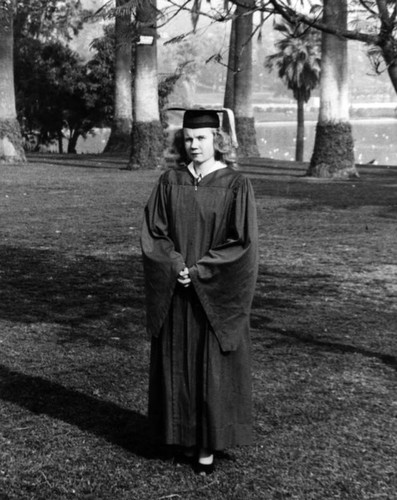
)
(200, 370)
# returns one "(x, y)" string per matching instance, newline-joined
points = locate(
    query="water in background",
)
(375, 140)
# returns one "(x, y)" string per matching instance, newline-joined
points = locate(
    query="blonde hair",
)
(224, 150)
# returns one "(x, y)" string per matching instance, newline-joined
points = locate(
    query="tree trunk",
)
(243, 109)
(228, 101)
(72, 144)
(333, 154)
(300, 130)
(147, 133)
(120, 134)
(60, 142)
(11, 144)
(389, 52)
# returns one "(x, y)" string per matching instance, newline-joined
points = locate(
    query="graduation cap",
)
(200, 117)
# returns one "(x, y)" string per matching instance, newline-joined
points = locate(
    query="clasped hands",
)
(184, 277)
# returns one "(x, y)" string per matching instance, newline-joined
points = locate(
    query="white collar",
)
(216, 166)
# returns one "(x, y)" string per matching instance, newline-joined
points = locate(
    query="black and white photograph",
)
(198, 249)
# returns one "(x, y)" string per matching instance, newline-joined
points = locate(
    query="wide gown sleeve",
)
(161, 262)
(225, 277)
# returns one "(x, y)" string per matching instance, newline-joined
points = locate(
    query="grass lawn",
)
(74, 353)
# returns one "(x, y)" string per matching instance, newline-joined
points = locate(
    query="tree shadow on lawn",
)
(280, 290)
(277, 293)
(297, 337)
(120, 426)
(107, 162)
(377, 192)
(90, 298)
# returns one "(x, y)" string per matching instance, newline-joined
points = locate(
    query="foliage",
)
(49, 19)
(100, 73)
(166, 86)
(298, 64)
(375, 25)
(60, 96)
(57, 93)
(7, 10)
(112, 8)
(203, 52)
(298, 59)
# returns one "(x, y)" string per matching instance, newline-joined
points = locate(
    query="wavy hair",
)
(224, 150)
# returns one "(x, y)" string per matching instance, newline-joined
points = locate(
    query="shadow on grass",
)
(280, 291)
(105, 162)
(298, 337)
(88, 297)
(125, 428)
(378, 192)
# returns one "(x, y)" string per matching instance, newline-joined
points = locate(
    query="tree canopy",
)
(49, 19)
(297, 60)
(58, 95)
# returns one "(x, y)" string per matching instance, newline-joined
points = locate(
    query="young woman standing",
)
(199, 246)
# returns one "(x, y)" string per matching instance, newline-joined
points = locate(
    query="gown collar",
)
(217, 166)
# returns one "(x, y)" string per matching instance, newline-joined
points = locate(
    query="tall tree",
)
(38, 19)
(57, 95)
(11, 150)
(298, 65)
(375, 26)
(242, 79)
(333, 154)
(120, 134)
(147, 133)
(239, 84)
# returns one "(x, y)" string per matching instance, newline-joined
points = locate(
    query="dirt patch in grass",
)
(74, 353)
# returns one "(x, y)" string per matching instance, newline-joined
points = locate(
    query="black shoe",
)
(185, 456)
(182, 459)
(204, 469)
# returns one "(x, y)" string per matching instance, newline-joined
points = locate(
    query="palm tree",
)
(238, 93)
(378, 33)
(333, 153)
(11, 150)
(147, 133)
(120, 135)
(298, 65)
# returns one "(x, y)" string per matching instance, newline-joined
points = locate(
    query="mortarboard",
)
(200, 117)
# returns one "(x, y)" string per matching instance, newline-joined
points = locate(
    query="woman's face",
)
(199, 144)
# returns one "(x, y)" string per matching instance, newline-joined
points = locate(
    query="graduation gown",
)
(200, 373)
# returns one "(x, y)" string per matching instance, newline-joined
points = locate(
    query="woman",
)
(199, 245)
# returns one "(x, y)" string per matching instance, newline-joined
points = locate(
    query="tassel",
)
(229, 125)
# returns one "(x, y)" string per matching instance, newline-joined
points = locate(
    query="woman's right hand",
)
(184, 277)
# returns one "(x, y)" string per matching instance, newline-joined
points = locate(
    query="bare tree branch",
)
(293, 17)
(178, 10)
(385, 17)
(217, 16)
(367, 7)
(280, 7)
